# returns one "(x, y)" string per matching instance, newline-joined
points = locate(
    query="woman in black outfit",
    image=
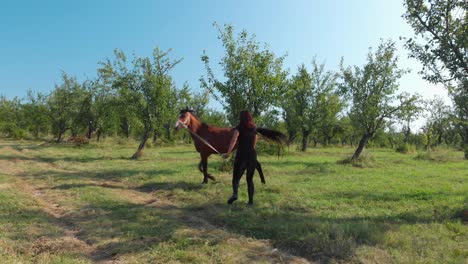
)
(245, 134)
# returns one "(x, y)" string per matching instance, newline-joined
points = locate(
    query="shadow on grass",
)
(146, 188)
(55, 159)
(104, 175)
(122, 227)
(154, 186)
(303, 233)
(393, 196)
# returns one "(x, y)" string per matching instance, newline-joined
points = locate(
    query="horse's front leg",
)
(206, 175)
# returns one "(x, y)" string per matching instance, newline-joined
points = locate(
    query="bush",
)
(267, 148)
(79, 140)
(227, 165)
(439, 155)
(365, 160)
(149, 144)
(405, 148)
(18, 133)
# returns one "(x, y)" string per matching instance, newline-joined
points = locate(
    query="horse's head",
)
(185, 118)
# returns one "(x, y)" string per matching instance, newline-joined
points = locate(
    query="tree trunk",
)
(139, 151)
(168, 132)
(155, 136)
(362, 143)
(392, 142)
(465, 142)
(305, 139)
(407, 135)
(90, 130)
(60, 135)
(439, 139)
(125, 126)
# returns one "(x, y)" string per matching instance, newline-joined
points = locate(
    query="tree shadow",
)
(392, 196)
(168, 186)
(82, 159)
(121, 227)
(68, 186)
(303, 232)
(103, 175)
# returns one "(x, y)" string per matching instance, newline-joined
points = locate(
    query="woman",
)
(245, 134)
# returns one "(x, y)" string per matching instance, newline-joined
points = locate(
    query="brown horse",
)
(208, 140)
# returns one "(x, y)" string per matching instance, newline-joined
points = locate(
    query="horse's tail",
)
(273, 135)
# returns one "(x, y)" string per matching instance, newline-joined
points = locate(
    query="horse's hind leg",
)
(206, 175)
(260, 172)
(200, 166)
(250, 184)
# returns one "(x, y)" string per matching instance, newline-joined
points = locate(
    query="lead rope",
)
(200, 138)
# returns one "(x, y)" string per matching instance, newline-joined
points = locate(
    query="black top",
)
(246, 142)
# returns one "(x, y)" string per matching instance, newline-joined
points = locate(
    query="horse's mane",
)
(185, 110)
(192, 112)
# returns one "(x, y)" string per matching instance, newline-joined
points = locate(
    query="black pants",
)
(241, 164)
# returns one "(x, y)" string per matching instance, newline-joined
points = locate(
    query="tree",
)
(330, 106)
(254, 76)
(146, 86)
(307, 95)
(438, 119)
(441, 45)
(409, 113)
(11, 116)
(84, 116)
(64, 105)
(36, 113)
(372, 91)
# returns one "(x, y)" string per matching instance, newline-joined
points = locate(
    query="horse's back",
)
(218, 137)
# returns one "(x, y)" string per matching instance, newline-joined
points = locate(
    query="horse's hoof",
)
(232, 199)
(204, 182)
(250, 204)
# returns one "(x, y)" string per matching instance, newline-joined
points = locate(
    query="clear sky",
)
(39, 39)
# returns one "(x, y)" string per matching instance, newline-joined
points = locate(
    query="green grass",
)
(398, 208)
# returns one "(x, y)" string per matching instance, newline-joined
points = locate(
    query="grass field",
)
(64, 204)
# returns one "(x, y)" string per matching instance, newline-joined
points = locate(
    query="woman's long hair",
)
(246, 119)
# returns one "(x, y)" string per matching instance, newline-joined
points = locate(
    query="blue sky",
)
(39, 39)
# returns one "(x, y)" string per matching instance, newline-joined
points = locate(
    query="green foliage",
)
(409, 112)
(254, 75)
(440, 44)
(64, 104)
(10, 116)
(440, 38)
(36, 114)
(146, 87)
